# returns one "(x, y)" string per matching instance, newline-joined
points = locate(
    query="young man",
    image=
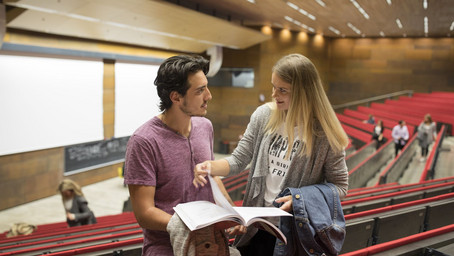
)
(162, 153)
(400, 135)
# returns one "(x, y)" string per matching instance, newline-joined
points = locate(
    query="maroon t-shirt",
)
(158, 156)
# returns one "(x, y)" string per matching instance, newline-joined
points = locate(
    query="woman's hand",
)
(287, 200)
(236, 230)
(70, 216)
(200, 172)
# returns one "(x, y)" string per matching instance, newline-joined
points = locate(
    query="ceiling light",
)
(357, 31)
(424, 4)
(360, 9)
(399, 24)
(298, 23)
(389, 2)
(320, 2)
(302, 11)
(294, 6)
(426, 25)
(334, 30)
(288, 18)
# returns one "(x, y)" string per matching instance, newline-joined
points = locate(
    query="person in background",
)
(294, 141)
(75, 204)
(400, 135)
(371, 120)
(162, 153)
(377, 134)
(427, 133)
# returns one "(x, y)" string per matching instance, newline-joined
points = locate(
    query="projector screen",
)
(49, 102)
(136, 99)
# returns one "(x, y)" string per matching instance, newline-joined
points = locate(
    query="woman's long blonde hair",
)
(308, 105)
(68, 184)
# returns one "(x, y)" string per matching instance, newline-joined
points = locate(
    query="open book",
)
(200, 214)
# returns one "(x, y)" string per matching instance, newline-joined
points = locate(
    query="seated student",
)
(76, 206)
(371, 120)
(377, 134)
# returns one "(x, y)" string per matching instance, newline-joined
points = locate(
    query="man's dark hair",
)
(173, 76)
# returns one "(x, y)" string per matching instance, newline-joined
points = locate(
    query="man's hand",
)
(200, 172)
(287, 200)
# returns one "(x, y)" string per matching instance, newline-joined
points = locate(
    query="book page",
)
(199, 214)
(219, 198)
(249, 213)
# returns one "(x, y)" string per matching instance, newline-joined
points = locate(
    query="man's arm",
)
(147, 215)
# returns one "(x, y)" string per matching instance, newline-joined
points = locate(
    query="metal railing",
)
(367, 101)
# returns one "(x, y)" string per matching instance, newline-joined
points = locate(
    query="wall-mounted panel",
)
(49, 102)
(136, 99)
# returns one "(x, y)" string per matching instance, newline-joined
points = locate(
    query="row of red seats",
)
(113, 231)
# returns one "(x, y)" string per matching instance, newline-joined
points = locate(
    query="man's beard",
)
(186, 110)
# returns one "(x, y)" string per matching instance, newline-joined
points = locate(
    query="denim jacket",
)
(317, 226)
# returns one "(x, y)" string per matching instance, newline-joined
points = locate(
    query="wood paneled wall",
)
(362, 68)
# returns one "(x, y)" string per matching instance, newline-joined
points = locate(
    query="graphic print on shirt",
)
(278, 165)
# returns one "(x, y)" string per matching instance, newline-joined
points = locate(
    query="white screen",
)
(48, 102)
(136, 99)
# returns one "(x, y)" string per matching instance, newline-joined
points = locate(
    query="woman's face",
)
(67, 194)
(281, 92)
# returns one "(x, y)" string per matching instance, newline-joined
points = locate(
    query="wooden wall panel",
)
(422, 65)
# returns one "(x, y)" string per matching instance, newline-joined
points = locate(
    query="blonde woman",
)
(75, 204)
(427, 134)
(294, 141)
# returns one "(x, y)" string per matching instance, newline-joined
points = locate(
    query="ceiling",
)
(197, 25)
(318, 16)
(157, 24)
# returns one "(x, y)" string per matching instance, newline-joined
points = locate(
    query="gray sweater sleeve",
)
(252, 138)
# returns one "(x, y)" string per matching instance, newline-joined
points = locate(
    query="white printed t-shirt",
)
(278, 166)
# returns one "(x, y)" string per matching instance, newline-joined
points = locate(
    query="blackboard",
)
(91, 155)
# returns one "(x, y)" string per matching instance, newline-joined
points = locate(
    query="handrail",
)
(428, 171)
(376, 98)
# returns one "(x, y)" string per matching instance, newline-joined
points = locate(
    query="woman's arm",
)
(85, 212)
(213, 167)
(336, 171)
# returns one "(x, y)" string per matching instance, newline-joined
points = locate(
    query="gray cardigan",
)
(324, 165)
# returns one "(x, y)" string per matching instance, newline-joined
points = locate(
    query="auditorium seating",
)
(384, 224)
(389, 218)
(236, 184)
(387, 122)
(434, 242)
(111, 233)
